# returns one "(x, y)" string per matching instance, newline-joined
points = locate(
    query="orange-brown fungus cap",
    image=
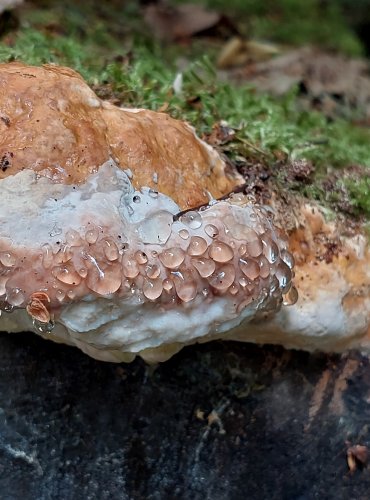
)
(52, 122)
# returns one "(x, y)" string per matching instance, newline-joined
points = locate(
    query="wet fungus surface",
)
(225, 249)
(123, 233)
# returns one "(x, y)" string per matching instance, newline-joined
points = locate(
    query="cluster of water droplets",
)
(225, 249)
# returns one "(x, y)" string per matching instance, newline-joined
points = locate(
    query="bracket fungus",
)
(102, 245)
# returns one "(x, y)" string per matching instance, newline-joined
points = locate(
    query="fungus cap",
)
(101, 243)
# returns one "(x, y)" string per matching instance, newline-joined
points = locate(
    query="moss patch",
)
(129, 69)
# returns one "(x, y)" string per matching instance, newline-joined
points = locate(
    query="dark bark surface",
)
(217, 421)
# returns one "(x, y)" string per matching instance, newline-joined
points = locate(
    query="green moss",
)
(359, 191)
(141, 73)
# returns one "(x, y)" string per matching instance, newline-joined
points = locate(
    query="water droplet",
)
(60, 295)
(184, 234)
(167, 285)
(15, 297)
(152, 289)
(223, 277)
(288, 258)
(92, 235)
(205, 267)
(130, 267)
(243, 282)
(264, 267)
(55, 231)
(234, 289)
(110, 250)
(82, 272)
(156, 228)
(191, 219)
(186, 289)
(136, 199)
(249, 268)
(63, 255)
(152, 271)
(220, 252)
(197, 246)
(104, 281)
(270, 249)
(291, 297)
(7, 259)
(73, 238)
(47, 256)
(172, 257)
(211, 230)
(152, 192)
(284, 275)
(254, 247)
(6, 307)
(43, 327)
(242, 250)
(68, 275)
(71, 294)
(3, 281)
(141, 257)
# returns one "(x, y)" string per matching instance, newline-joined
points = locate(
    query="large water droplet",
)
(68, 275)
(152, 271)
(73, 238)
(104, 281)
(172, 257)
(130, 267)
(110, 250)
(156, 228)
(197, 246)
(92, 235)
(15, 296)
(7, 259)
(152, 289)
(284, 275)
(211, 230)
(191, 219)
(220, 252)
(270, 249)
(264, 267)
(254, 247)
(184, 234)
(186, 289)
(205, 267)
(141, 257)
(223, 277)
(47, 256)
(291, 297)
(287, 258)
(249, 268)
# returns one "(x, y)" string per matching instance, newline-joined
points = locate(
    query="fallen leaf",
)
(178, 22)
(357, 455)
(334, 84)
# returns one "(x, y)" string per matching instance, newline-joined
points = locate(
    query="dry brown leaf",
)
(183, 21)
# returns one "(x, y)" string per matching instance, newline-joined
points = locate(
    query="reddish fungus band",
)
(204, 260)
